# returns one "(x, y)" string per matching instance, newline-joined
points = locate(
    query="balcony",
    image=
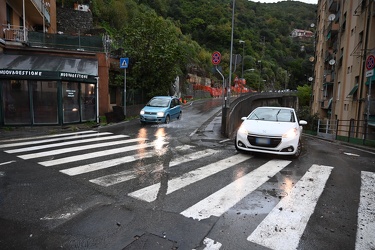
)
(16, 35)
(35, 10)
(332, 5)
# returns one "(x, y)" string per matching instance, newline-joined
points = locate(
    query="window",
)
(44, 94)
(16, 105)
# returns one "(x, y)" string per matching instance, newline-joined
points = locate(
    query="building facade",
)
(48, 77)
(344, 83)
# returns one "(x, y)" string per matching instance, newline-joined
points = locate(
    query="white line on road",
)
(192, 157)
(366, 213)
(96, 154)
(77, 136)
(48, 136)
(221, 201)
(126, 175)
(61, 144)
(6, 163)
(105, 164)
(78, 148)
(149, 193)
(284, 225)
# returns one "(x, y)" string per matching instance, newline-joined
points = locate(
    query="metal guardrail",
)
(354, 131)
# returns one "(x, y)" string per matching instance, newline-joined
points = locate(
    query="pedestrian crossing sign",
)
(124, 62)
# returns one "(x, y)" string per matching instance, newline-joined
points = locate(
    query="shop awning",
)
(47, 67)
(354, 89)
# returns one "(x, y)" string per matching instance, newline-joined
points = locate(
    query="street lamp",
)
(243, 55)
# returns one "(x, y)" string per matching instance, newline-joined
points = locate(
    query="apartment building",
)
(48, 77)
(344, 82)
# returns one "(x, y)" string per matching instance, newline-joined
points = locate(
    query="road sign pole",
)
(124, 65)
(125, 92)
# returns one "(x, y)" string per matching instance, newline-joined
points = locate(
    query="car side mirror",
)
(243, 118)
(302, 122)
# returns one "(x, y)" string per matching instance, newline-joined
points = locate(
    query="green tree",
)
(152, 44)
(304, 94)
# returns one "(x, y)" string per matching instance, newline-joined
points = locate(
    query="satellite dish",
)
(311, 59)
(331, 17)
(332, 62)
(311, 79)
(312, 25)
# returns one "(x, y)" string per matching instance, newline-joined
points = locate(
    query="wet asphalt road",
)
(46, 204)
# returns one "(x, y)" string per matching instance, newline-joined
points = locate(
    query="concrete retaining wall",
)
(243, 105)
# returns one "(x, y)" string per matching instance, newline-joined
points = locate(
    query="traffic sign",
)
(216, 58)
(124, 62)
(370, 62)
(370, 73)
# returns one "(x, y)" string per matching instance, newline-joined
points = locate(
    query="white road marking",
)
(6, 163)
(48, 136)
(211, 244)
(192, 157)
(96, 154)
(77, 136)
(126, 175)
(105, 164)
(284, 225)
(366, 213)
(221, 201)
(149, 193)
(60, 144)
(78, 148)
(351, 154)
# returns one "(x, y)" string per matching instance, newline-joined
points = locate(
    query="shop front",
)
(47, 90)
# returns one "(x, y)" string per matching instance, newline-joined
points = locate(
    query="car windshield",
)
(276, 115)
(159, 102)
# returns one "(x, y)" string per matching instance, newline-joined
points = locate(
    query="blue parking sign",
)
(124, 62)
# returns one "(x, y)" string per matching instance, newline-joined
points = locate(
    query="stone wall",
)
(72, 22)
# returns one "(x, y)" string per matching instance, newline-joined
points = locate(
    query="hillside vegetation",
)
(166, 38)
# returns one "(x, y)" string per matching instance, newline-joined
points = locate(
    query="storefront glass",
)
(45, 102)
(16, 102)
(70, 102)
(88, 100)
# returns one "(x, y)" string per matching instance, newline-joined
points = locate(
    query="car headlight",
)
(291, 133)
(142, 112)
(160, 114)
(243, 130)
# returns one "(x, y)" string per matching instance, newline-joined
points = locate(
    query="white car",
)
(272, 130)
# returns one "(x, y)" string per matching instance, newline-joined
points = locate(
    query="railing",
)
(53, 41)
(43, 8)
(14, 33)
(353, 131)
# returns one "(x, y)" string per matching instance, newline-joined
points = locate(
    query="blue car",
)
(161, 109)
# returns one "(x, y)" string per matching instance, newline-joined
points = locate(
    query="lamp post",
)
(226, 99)
(243, 55)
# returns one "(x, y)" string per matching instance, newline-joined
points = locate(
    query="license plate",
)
(263, 141)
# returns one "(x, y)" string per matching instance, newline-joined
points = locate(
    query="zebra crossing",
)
(290, 216)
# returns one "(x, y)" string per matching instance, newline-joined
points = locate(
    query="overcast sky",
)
(274, 1)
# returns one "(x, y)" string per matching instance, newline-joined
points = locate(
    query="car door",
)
(175, 108)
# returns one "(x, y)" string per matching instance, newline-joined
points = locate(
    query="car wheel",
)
(142, 123)
(299, 150)
(179, 116)
(167, 119)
